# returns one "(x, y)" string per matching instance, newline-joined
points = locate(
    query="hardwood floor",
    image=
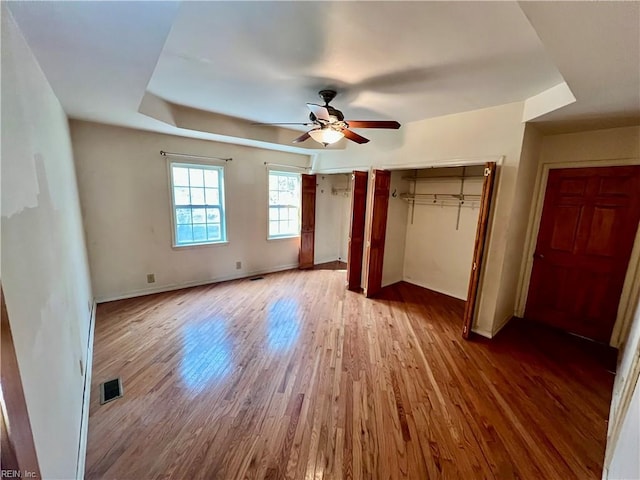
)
(295, 377)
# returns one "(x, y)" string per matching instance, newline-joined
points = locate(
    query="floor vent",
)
(110, 390)
(256, 278)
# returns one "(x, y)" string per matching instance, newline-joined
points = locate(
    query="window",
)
(198, 204)
(284, 204)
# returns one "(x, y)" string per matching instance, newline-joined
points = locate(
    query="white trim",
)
(631, 287)
(482, 333)
(86, 398)
(501, 325)
(449, 162)
(628, 389)
(429, 287)
(320, 261)
(178, 286)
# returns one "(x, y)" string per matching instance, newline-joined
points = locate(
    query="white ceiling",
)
(262, 61)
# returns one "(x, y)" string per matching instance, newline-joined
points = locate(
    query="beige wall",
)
(333, 204)
(438, 255)
(44, 265)
(395, 237)
(125, 199)
(480, 135)
(518, 226)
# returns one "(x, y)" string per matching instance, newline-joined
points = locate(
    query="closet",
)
(436, 221)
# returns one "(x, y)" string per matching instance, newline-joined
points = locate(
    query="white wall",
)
(625, 463)
(333, 205)
(125, 198)
(439, 255)
(517, 227)
(395, 237)
(44, 265)
(619, 459)
(486, 134)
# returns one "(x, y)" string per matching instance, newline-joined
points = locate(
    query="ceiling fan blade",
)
(307, 124)
(353, 136)
(319, 111)
(373, 124)
(302, 138)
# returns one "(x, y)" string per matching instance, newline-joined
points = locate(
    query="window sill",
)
(199, 245)
(284, 237)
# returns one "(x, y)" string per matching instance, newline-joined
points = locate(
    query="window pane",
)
(273, 181)
(212, 196)
(211, 178)
(213, 215)
(197, 196)
(282, 183)
(195, 177)
(273, 228)
(181, 195)
(184, 234)
(213, 232)
(197, 215)
(293, 226)
(286, 198)
(273, 213)
(199, 233)
(293, 213)
(183, 215)
(181, 176)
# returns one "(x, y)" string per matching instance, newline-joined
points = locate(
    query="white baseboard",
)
(320, 261)
(482, 332)
(86, 397)
(429, 287)
(501, 325)
(197, 283)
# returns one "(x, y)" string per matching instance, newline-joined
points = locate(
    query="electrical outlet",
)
(238, 265)
(151, 278)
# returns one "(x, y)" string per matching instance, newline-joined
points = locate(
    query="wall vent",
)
(110, 390)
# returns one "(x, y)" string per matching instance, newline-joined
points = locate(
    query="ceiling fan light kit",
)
(330, 125)
(326, 135)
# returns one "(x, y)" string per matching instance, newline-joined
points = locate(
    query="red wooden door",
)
(478, 251)
(589, 220)
(308, 221)
(374, 252)
(356, 231)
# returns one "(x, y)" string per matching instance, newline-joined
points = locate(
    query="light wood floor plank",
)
(294, 377)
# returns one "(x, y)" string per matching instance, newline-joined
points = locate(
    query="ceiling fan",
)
(329, 126)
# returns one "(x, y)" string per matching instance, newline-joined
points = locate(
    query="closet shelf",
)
(440, 196)
(442, 177)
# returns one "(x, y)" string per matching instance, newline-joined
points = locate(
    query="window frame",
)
(287, 173)
(222, 207)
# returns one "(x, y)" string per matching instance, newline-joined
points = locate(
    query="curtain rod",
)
(268, 164)
(170, 154)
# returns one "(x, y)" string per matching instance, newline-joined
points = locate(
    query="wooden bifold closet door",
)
(356, 230)
(374, 250)
(308, 222)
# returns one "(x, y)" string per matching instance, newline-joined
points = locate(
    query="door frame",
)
(631, 287)
(456, 162)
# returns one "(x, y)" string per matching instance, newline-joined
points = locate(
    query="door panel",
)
(374, 251)
(588, 225)
(308, 222)
(18, 448)
(356, 230)
(478, 250)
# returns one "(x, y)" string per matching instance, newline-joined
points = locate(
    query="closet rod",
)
(442, 177)
(186, 155)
